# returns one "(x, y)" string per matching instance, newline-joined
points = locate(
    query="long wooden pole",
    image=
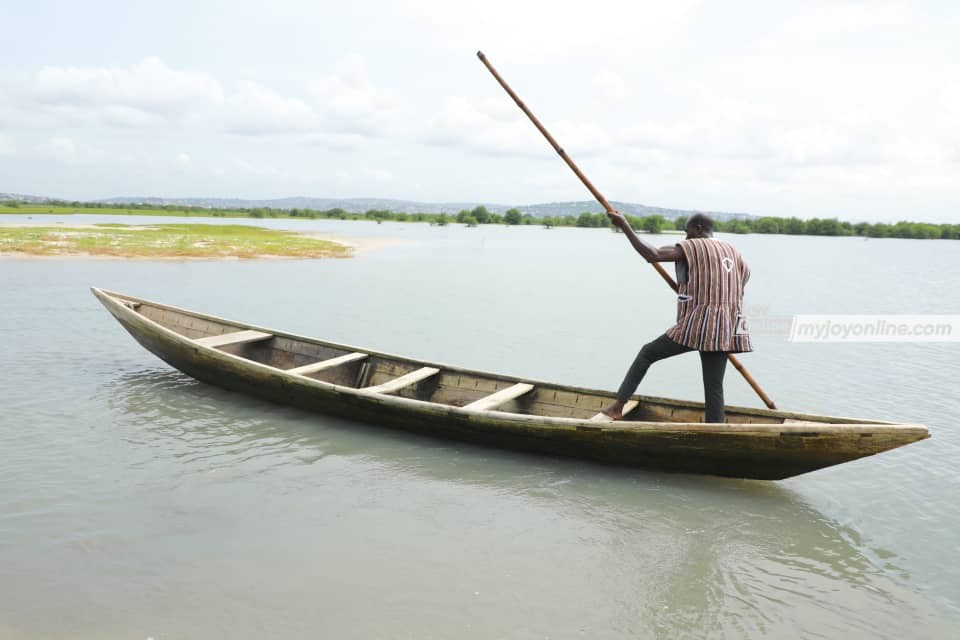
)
(606, 205)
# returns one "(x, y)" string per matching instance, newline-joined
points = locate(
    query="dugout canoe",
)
(497, 410)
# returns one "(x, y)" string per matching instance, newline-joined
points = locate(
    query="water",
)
(135, 502)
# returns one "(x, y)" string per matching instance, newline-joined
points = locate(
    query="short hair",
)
(701, 220)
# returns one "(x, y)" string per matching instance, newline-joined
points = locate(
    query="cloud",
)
(610, 85)
(256, 170)
(758, 135)
(480, 128)
(676, 136)
(378, 175)
(541, 30)
(126, 94)
(691, 138)
(60, 149)
(845, 19)
(684, 104)
(344, 105)
(349, 102)
(582, 138)
(361, 177)
(257, 110)
(823, 143)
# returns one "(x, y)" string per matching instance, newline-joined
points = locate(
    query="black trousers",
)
(713, 363)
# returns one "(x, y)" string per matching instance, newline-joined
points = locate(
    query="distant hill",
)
(17, 197)
(557, 209)
(361, 205)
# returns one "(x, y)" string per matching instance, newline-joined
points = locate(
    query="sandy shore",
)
(357, 244)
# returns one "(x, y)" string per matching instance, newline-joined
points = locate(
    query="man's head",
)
(699, 226)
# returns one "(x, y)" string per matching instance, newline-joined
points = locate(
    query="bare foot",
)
(614, 411)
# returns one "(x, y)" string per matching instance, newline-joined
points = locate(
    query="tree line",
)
(480, 215)
(835, 227)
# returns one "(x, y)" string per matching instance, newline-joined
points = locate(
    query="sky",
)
(814, 109)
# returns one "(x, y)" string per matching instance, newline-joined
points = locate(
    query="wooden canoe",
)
(497, 410)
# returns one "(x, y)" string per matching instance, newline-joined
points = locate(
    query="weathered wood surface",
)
(756, 444)
(503, 396)
(236, 337)
(406, 380)
(326, 364)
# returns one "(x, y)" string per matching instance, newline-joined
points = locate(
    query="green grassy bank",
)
(165, 241)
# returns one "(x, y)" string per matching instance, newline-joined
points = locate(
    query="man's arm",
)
(649, 252)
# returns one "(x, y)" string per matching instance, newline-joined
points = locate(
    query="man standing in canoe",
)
(711, 275)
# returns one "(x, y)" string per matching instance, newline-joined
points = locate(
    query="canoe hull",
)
(740, 451)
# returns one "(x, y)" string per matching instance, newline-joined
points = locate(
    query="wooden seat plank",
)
(627, 408)
(503, 396)
(235, 337)
(327, 364)
(403, 381)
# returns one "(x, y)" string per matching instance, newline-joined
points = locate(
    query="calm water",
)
(135, 502)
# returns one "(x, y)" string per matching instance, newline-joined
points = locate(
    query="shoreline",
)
(356, 244)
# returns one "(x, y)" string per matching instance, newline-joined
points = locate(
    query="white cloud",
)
(257, 110)
(783, 139)
(349, 102)
(677, 136)
(541, 30)
(60, 149)
(581, 138)
(610, 85)
(128, 117)
(750, 107)
(338, 142)
(461, 122)
(339, 108)
(845, 19)
(126, 93)
(816, 144)
(183, 161)
(256, 170)
(949, 101)
(378, 175)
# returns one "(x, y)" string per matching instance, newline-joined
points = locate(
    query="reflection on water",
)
(197, 430)
(668, 555)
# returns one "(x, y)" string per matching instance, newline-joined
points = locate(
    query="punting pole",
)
(606, 205)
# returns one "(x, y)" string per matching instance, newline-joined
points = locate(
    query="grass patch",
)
(166, 241)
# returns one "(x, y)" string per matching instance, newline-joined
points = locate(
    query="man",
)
(711, 275)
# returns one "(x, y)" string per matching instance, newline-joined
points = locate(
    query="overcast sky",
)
(848, 109)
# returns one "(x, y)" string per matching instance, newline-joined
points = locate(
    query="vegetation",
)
(653, 224)
(834, 227)
(513, 217)
(166, 241)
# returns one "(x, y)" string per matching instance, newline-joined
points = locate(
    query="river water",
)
(136, 502)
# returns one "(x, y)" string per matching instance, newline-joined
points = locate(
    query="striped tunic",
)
(710, 298)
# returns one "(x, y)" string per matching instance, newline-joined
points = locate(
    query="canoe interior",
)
(450, 385)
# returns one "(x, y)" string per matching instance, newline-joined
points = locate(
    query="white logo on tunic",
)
(727, 264)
